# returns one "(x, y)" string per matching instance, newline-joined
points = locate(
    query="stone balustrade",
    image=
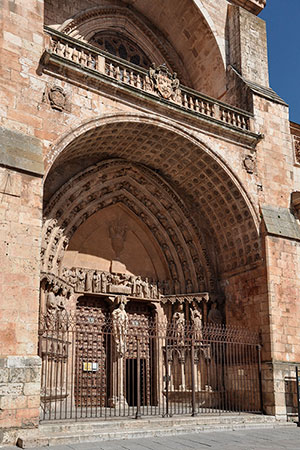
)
(158, 82)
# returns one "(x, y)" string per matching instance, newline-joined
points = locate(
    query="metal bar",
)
(138, 381)
(194, 413)
(167, 413)
(260, 378)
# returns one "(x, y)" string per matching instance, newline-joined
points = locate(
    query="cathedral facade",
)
(150, 240)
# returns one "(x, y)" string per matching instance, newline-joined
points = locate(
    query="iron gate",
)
(162, 369)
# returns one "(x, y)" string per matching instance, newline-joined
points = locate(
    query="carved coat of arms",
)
(165, 83)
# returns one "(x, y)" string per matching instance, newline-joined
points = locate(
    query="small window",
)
(119, 45)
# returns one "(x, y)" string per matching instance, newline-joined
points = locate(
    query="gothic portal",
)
(149, 229)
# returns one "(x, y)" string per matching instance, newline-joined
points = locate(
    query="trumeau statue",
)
(120, 326)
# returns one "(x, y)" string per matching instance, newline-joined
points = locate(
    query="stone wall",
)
(21, 169)
(20, 383)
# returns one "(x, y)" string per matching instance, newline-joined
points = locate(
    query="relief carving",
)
(117, 234)
(297, 149)
(249, 164)
(56, 97)
(165, 83)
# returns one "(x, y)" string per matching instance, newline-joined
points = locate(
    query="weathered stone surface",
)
(281, 222)
(20, 151)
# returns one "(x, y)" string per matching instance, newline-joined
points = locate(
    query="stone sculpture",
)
(120, 326)
(179, 325)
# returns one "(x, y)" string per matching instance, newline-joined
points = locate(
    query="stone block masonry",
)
(19, 395)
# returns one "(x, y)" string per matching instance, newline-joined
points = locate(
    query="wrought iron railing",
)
(92, 60)
(95, 368)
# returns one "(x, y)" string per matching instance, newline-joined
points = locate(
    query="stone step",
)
(76, 432)
(108, 424)
(92, 431)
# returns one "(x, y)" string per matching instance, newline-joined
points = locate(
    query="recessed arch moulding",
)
(183, 212)
(198, 57)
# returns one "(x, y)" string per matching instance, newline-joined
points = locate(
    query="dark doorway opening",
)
(132, 384)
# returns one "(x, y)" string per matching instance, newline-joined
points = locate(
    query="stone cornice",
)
(254, 6)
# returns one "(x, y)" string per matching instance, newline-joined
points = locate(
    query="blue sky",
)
(283, 27)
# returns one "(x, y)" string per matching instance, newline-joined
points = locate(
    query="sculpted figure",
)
(176, 287)
(72, 277)
(214, 315)
(179, 325)
(151, 289)
(146, 292)
(88, 281)
(189, 287)
(103, 282)
(96, 282)
(196, 318)
(132, 284)
(51, 306)
(61, 309)
(138, 287)
(167, 287)
(120, 326)
(80, 280)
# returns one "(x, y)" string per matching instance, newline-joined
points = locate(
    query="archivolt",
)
(214, 195)
(145, 194)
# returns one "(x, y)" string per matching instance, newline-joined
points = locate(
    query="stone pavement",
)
(283, 438)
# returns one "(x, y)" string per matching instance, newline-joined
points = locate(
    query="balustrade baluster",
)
(197, 105)
(83, 59)
(117, 73)
(125, 76)
(68, 52)
(185, 101)
(111, 70)
(60, 48)
(75, 55)
(191, 103)
(131, 81)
